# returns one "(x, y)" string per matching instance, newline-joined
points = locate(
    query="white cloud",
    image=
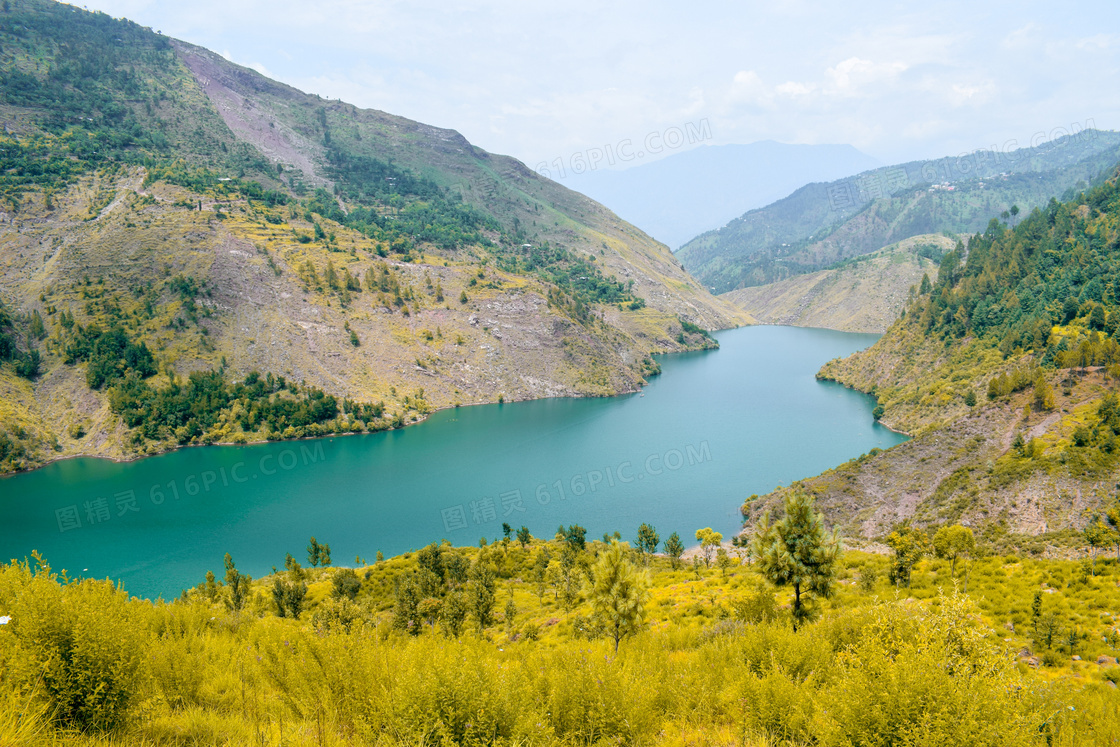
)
(543, 80)
(793, 88)
(853, 74)
(960, 94)
(1098, 42)
(747, 93)
(1024, 37)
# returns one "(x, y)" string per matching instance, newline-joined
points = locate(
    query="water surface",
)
(714, 428)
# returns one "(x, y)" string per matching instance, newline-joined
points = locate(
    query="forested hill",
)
(1005, 369)
(821, 224)
(177, 230)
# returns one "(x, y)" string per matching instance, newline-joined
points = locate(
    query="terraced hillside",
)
(193, 253)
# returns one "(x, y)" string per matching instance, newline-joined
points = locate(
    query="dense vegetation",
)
(1010, 354)
(523, 641)
(101, 92)
(403, 212)
(94, 103)
(207, 407)
(1059, 266)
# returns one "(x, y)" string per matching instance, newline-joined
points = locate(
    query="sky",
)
(552, 82)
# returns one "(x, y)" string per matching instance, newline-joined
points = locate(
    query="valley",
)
(843, 472)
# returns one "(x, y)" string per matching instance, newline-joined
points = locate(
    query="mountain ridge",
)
(823, 223)
(861, 294)
(156, 256)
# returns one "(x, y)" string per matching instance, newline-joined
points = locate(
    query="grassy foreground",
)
(717, 661)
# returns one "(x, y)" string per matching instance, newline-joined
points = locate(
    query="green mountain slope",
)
(820, 224)
(196, 254)
(861, 294)
(1006, 372)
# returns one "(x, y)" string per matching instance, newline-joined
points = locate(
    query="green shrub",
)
(1052, 658)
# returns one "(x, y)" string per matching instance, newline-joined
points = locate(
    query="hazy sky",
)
(543, 81)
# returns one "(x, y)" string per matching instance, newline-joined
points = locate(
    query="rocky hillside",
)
(193, 253)
(862, 294)
(1006, 371)
(821, 224)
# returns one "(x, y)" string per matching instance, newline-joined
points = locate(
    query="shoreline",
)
(259, 442)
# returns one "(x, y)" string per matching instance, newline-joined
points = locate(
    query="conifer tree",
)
(1043, 393)
(238, 584)
(799, 552)
(674, 548)
(647, 540)
(452, 614)
(910, 545)
(481, 593)
(619, 593)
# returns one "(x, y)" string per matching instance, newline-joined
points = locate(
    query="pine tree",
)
(406, 616)
(278, 597)
(211, 587)
(452, 614)
(910, 545)
(481, 592)
(724, 561)
(575, 536)
(238, 584)
(511, 613)
(674, 548)
(38, 329)
(647, 540)
(318, 553)
(798, 551)
(1043, 393)
(619, 593)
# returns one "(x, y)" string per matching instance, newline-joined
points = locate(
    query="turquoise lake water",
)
(714, 428)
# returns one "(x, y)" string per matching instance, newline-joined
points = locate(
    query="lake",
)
(714, 428)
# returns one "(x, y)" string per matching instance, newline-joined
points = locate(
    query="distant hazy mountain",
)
(685, 194)
(823, 223)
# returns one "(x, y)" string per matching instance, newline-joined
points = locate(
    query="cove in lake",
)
(715, 427)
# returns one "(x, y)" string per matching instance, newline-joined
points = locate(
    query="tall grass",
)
(83, 664)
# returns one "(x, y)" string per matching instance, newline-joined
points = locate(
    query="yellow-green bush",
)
(77, 645)
(869, 672)
(924, 677)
